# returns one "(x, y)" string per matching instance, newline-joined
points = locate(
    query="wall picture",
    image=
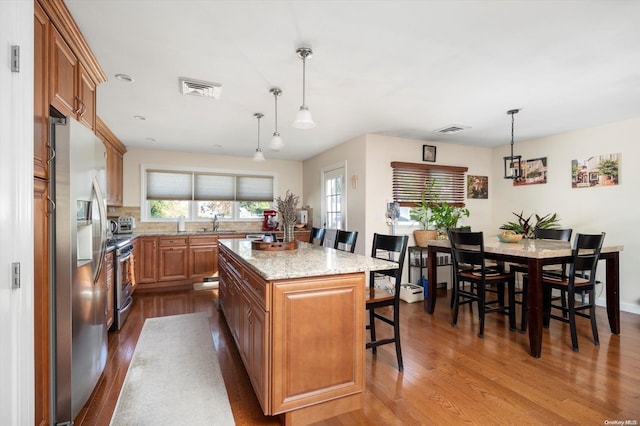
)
(534, 172)
(477, 187)
(599, 170)
(428, 153)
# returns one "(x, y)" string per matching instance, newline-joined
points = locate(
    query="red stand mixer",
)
(270, 220)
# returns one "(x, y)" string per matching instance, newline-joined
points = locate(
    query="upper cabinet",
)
(41, 147)
(115, 154)
(63, 75)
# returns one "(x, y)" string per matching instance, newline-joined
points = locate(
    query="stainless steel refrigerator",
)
(79, 243)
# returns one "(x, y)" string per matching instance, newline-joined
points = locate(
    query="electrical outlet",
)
(15, 274)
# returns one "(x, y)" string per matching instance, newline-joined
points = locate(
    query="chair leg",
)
(481, 302)
(592, 315)
(456, 305)
(571, 302)
(396, 336)
(512, 305)
(546, 307)
(372, 330)
(523, 314)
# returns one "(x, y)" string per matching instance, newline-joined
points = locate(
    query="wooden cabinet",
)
(115, 159)
(41, 308)
(148, 260)
(109, 279)
(203, 256)
(173, 258)
(41, 147)
(86, 98)
(63, 72)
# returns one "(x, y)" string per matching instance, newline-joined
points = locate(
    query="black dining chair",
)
(393, 249)
(541, 234)
(317, 236)
(580, 279)
(473, 278)
(345, 240)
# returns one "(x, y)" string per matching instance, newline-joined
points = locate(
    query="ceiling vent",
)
(454, 128)
(189, 86)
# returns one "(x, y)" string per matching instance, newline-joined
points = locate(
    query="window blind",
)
(181, 185)
(411, 179)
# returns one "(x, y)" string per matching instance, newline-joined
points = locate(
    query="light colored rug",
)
(174, 377)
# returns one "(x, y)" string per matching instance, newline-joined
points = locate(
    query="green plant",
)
(526, 228)
(422, 213)
(445, 215)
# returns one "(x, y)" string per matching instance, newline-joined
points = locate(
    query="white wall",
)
(289, 173)
(586, 210)
(16, 215)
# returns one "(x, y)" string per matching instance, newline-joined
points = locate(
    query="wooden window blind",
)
(411, 179)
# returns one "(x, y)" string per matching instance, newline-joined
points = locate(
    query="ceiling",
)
(398, 68)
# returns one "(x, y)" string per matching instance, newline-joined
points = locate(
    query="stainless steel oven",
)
(123, 275)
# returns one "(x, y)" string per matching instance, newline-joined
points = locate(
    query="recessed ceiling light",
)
(217, 145)
(140, 117)
(151, 139)
(124, 77)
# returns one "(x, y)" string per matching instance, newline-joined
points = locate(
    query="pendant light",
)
(513, 163)
(258, 156)
(276, 141)
(303, 118)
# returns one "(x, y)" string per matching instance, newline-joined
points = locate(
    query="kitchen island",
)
(297, 317)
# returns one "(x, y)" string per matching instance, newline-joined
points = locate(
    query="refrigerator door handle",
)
(103, 229)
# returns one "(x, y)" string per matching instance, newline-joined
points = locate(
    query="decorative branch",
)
(287, 208)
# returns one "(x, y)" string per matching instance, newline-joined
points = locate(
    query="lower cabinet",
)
(173, 258)
(147, 260)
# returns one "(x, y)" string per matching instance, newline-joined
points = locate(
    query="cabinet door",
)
(41, 308)
(86, 102)
(41, 94)
(114, 176)
(63, 66)
(148, 260)
(108, 271)
(203, 261)
(173, 263)
(256, 335)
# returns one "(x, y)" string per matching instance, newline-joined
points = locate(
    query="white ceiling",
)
(400, 68)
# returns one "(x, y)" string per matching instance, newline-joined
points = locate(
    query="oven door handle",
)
(125, 258)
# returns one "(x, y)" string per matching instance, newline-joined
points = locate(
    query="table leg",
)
(534, 306)
(432, 277)
(613, 290)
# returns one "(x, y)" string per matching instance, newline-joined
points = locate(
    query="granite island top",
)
(308, 260)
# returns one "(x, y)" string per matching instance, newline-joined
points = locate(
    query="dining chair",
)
(581, 278)
(541, 234)
(316, 236)
(391, 248)
(345, 240)
(472, 279)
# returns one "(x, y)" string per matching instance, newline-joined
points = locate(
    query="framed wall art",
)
(598, 170)
(428, 153)
(534, 172)
(478, 187)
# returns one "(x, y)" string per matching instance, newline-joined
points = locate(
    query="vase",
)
(288, 233)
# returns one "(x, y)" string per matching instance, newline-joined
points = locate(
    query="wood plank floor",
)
(450, 376)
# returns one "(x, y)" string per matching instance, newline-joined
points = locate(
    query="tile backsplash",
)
(144, 227)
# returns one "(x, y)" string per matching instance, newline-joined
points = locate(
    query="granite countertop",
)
(308, 260)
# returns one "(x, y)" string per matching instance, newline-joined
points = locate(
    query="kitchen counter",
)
(298, 320)
(308, 260)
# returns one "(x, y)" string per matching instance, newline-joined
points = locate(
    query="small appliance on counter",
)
(126, 224)
(269, 220)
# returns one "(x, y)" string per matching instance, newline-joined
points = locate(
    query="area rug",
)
(174, 377)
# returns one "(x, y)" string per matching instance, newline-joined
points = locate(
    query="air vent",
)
(207, 89)
(454, 128)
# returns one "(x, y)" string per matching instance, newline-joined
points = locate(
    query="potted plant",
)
(445, 216)
(526, 228)
(423, 215)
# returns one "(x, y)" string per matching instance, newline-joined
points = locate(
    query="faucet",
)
(216, 224)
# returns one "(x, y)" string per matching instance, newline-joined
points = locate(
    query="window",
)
(333, 191)
(197, 195)
(410, 180)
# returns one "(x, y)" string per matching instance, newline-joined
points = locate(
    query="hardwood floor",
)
(450, 375)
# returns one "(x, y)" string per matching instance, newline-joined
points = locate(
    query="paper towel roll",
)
(181, 224)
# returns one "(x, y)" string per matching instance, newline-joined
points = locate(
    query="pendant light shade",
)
(513, 163)
(258, 155)
(276, 141)
(303, 118)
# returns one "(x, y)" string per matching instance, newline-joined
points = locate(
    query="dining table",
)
(535, 253)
